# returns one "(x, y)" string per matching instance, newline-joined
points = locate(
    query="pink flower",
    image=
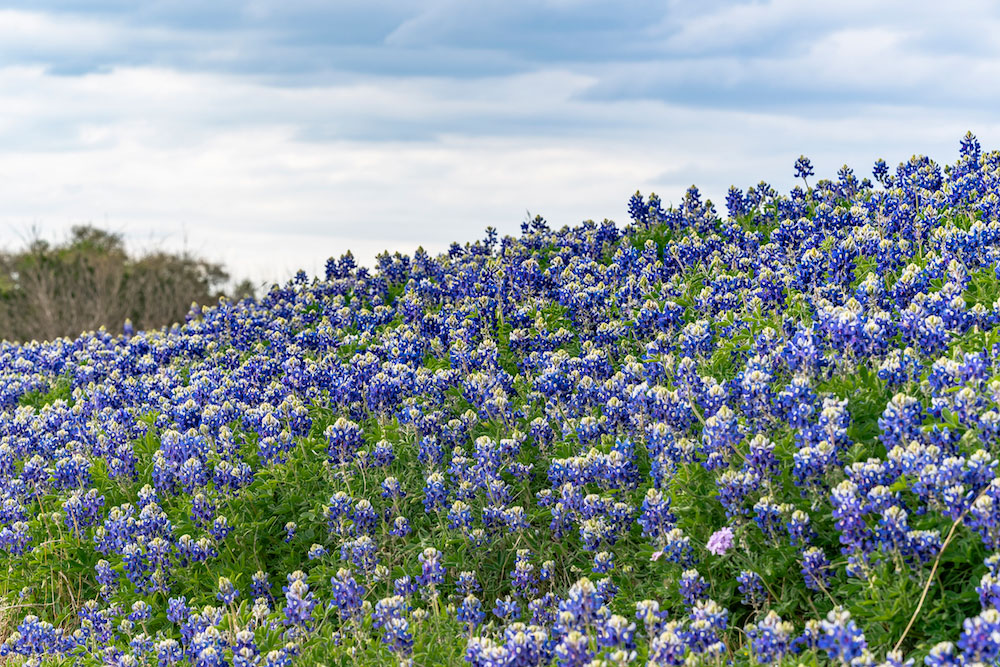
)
(721, 541)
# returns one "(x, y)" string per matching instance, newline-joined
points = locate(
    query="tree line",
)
(90, 280)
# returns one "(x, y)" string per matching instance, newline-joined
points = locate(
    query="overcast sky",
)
(271, 135)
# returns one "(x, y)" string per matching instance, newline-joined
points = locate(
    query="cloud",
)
(272, 135)
(814, 57)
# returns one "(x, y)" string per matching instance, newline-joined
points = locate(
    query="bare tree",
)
(90, 280)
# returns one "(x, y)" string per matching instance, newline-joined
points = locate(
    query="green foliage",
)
(58, 574)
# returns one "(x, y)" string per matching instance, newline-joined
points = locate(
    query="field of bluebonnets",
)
(765, 437)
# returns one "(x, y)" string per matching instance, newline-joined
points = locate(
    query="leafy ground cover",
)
(760, 438)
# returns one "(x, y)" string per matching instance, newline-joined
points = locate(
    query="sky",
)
(269, 135)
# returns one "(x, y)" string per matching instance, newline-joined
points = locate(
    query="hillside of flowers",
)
(768, 436)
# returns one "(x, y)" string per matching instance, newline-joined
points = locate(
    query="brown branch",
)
(937, 560)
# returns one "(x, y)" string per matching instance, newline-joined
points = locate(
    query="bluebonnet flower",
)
(604, 562)
(803, 167)
(82, 509)
(400, 527)
(815, 569)
(735, 202)
(202, 510)
(582, 605)
(141, 612)
(392, 489)
(347, 594)
(989, 590)
(893, 530)
(467, 583)
(220, 528)
(770, 638)
(432, 569)
(799, 529)
(980, 638)
(506, 609)
(943, 654)
(881, 172)
(751, 587)
(365, 518)
(720, 435)
(435, 492)
(708, 619)
(344, 438)
(169, 652)
(524, 578)
(615, 632)
(245, 649)
(849, 511)
(299, 601)
(589, 429)
(177, 610)
(227, 592)
(840, 636)
(471, 612)
(35, 637)
(734, 488)
(669, 646)
(484, 651)
(459, 516)
(769, 516)
(574, 650)
(760, 457)
(431, 452)
(72, 472)
(107, 578)
(259, 585)
(382, 454)
(338, 513)
(387, 608)
(900, 422)
(692, 587)
(362, 552)
(396, 636)
(279, 658)
(514, 518)
(755, 390)
(542, 609)
(696, 339)
(404, 586)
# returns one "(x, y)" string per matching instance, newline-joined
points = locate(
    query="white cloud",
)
(145, 151)
(23, 29)
(270, 178)
(257, 196)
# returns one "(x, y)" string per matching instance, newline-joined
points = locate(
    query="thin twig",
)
(937, 561)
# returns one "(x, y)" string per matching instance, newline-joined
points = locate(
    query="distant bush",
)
(90, 280)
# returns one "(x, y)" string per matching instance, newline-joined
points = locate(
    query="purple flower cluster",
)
(812, 371)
